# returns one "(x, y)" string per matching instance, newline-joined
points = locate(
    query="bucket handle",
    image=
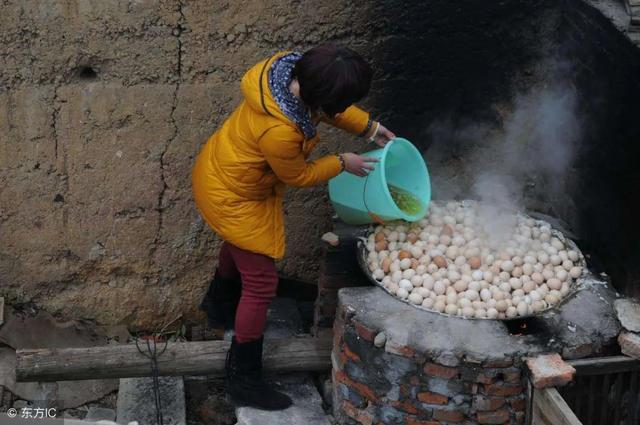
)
(375, 217)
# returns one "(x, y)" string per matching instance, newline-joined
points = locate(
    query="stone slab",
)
(550, 370)
(628, 313)
(136, 401)
(96, 414)
(630, 344)
(306, 408)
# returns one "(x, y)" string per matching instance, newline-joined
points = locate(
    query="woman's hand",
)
(358, 164)
(381, 135)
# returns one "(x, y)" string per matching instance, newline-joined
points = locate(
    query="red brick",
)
(415, 421)
(350, 354)
(432, 398)
(630, 344)
(448, 415)
(550, 371)
(484, 403)
(405, 406)
(518, 404)
(338, 333)
(512, 376)
(483, 378)
(497, 417)
(365, 332)
(501, 389)
(361, 416)
(362, 389)
(433, 369)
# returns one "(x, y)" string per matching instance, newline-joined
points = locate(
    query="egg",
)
(415, 298)
(440, 261)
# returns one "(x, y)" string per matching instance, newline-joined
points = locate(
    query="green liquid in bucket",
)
(405, 200)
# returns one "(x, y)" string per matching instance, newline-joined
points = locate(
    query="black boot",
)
(245, 384)
(221, 301)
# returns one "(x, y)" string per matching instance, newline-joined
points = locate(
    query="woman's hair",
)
(332, 78)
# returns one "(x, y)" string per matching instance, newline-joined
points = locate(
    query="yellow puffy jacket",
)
(240, 174)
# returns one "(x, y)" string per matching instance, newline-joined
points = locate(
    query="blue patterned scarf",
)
(293, 107)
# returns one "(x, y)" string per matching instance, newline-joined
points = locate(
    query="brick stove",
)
(396, 364)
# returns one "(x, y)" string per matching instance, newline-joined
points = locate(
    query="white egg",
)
(451, 309)
(378, 274)
(408, 273)
(405, 263)
(522, 308)
(428, 303)
(402, 293)
(416, 281)
(492, 313)
(573, 255)
(415, 298)
(406, 284)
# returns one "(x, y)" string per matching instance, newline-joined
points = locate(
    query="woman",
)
(239, 180)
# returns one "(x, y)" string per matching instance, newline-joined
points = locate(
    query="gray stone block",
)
(628, 313)
(136, 401)
(306, 409)
(96, 414)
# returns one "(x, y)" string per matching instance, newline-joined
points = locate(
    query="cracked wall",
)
(103, 108)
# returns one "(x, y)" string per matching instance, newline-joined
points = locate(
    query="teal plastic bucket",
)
(361, 200)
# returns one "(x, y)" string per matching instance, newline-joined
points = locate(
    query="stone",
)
(628, 312)
(485, 403)
(64, 394)
(96, 414)
(630, 344)
(549, 370)
(306, 408)
(380, 339)
(136, 400)
(331, 238)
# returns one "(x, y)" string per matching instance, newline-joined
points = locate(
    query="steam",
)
(531, 152)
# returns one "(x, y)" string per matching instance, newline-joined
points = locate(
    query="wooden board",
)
(184, 358)
(604, 365)
(549, 408)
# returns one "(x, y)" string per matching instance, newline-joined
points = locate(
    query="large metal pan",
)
(362, 254)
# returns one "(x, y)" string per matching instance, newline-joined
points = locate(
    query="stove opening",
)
(525, 326)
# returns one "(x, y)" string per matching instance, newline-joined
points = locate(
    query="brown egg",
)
(379, 237)
(414, 263)
(381, 246)
(412, 237)
(475, 262)
(385, 265)
(404, 254)
(440, 261)
(447, 230)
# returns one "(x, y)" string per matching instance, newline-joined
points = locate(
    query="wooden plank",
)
(551, 409)
(604, 365)
(606, 387)
(179, 358)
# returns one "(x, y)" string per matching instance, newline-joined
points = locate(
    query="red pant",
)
(259, 284)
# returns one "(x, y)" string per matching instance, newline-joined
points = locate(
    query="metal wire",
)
(152, 354)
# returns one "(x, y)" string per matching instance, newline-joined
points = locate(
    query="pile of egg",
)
(451, 263)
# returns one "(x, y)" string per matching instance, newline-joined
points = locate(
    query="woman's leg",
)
(226, 265)
(245, 384)
(259, 285)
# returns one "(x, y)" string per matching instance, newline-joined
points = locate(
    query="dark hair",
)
(332, 78)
